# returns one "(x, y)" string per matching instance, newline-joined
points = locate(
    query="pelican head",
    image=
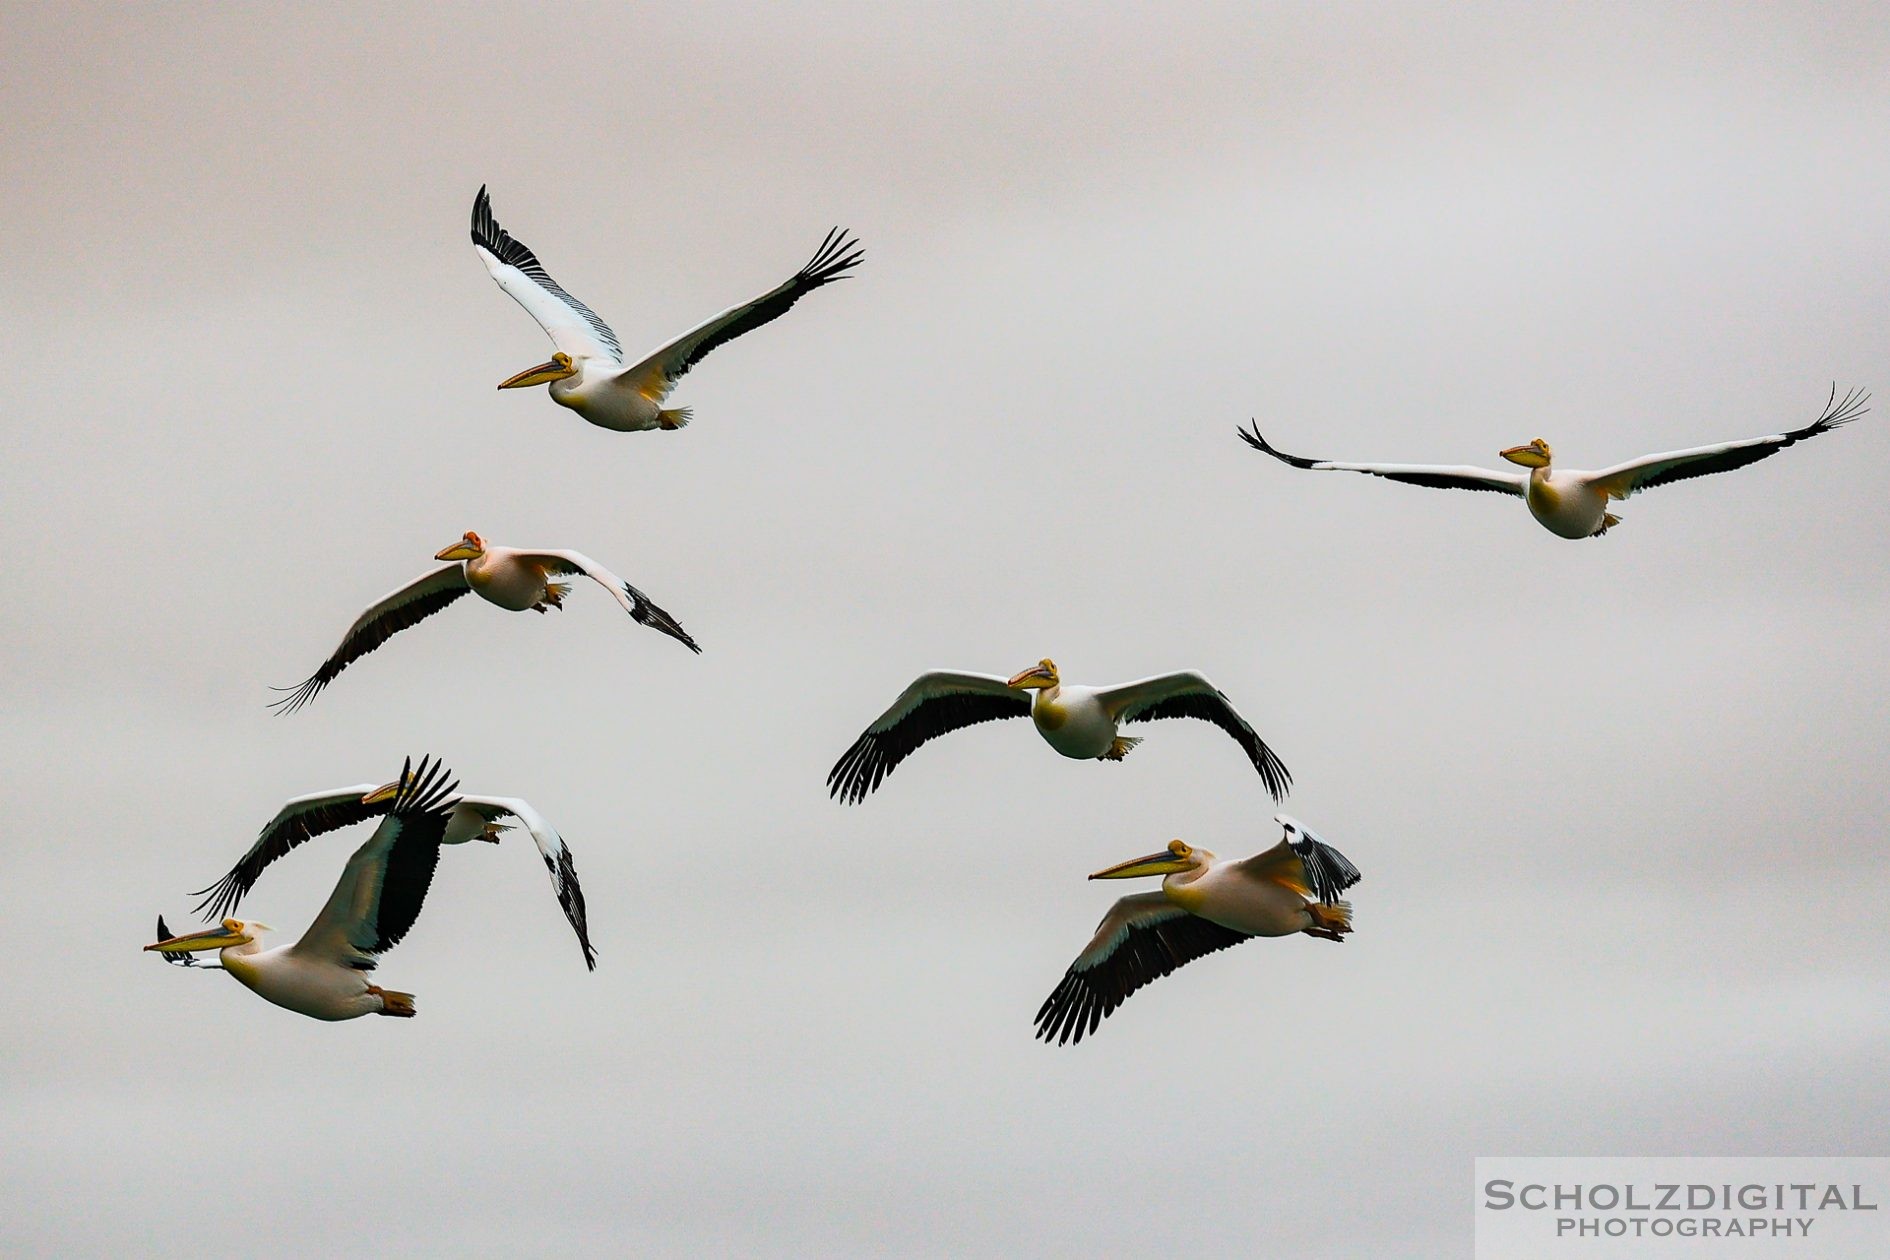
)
(1178, 856)
(1534, 455)
(469, 547)
(1039, 676)
(233, 932)
(545, 373)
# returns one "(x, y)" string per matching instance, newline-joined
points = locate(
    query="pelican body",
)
(1073, 720)
(324, 975)
(1571, 503)
(588, 374)
(515, 579)
(1204, 905)
(1083, 723)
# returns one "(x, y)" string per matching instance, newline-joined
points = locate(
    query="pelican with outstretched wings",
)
(1572, 503)
(1205, 905)
(487, 818)
(324, 975)
(516, 579)
(1079, 722)
(588, 373)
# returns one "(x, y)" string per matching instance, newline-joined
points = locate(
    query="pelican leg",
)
(392, 1003)
(554, 597)
(1331, 923)
(1120, 747)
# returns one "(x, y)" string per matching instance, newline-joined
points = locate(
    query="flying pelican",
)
(588, 373)
(1204, 905)
(473, 818)
(1574, 504)
(513, 579)
(324, 974)
(1079, 722)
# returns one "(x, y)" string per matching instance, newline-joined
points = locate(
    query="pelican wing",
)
(385, 883)
(302, 818)
(1309, 866)
(557, 855)
(1438, 476)
(572, 326)
(1189, 695)
(641, 608)
(388, 616)
(935, 703)
(1140, 940)
(658, 374)
(1701, 461)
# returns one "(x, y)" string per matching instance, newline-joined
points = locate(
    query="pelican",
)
(324, 975)
(1205, 904)
(1574, 504)
(512, 578)
(472, 818)
(1079, 722)
(588, 373)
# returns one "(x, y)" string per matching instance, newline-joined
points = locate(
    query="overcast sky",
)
(1619, 804)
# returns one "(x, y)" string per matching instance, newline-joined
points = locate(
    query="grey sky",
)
(1618, 803)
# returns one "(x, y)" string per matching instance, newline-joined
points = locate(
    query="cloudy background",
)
(1619, 804)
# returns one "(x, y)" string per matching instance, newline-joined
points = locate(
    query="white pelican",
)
(473, 818)
(1574, 504)
(588, 373)
(1079, 722)
(512, 578)
(1204, 905)
(325, 974)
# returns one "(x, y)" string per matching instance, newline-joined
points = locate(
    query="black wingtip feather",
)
(644, 611)
(1259, 443)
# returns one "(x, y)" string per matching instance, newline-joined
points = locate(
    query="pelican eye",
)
(1179, 849)
(233, 925)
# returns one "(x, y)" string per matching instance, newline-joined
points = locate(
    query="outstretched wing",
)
(1189, 695)
(557, 855)
(572, 326)
(658, 374)
(385, 883)
(1701, 461)
(935, 703)
(302, 818)
(641, 608)
(389, 615)
(1437, 476)
(1140, 940)
(1304, 863)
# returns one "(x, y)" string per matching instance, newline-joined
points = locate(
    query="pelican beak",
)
(1035, 675)
(461, 550)
(1534, 455)
(545, 373)
(216, 938)
(385, 793)
(1167, 862)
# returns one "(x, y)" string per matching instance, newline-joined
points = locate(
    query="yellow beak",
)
(461, 550)
(1529, 456)
(1163, 863)
(191, 942)
(1036, 673)
(543, 374)
(379, 794)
